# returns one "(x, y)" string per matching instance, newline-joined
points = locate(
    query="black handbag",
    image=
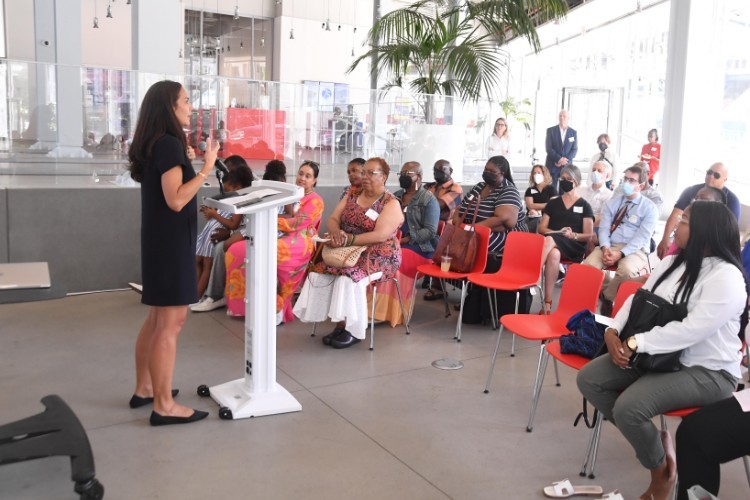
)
(647, 311)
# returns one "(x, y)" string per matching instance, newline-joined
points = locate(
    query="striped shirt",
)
(507, 194)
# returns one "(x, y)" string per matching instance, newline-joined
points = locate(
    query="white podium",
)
(258, 393)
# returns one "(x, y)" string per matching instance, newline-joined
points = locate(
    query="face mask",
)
(627, 188)
(596, 178)
(602, 146)
(489, 178)
(405, 181)
(440, 176)
(538, 178)
(566, 186)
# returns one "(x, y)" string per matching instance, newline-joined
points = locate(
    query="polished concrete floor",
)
(373, 425)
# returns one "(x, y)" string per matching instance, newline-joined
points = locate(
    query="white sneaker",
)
(208, 304)
(279, 318)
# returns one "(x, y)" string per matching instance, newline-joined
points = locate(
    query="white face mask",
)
(596, 177)
(538, 178)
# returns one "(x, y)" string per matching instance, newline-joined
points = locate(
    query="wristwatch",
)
(632, 344)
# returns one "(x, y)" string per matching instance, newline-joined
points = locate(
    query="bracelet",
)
(354, 237)
(203, 175)
(575, 236)
(349, 240)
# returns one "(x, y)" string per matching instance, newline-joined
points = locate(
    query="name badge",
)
(405, 208)
(653, 148)
(577, 210)
(633, 219)
(372, 214)
(571, 139)
(534, 191)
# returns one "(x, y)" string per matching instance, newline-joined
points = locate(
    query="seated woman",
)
(707, 275)
(418, 241)
(500, 209)
(369, 217)
(294, 250)
(354, 174)
(568, 224)
(539, 192)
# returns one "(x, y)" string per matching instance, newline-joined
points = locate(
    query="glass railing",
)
(79, 121)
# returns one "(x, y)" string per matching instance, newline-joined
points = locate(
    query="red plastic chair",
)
(520, 270)
(433, 271)
(577, 362)
(580, 291)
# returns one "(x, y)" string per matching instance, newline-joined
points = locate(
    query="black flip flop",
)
(432, 295)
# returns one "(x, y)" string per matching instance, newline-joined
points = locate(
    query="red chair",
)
(577, 362)
(433, 271)
(520, 270)
(580, 291)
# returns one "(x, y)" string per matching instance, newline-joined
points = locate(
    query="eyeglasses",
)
(409, 173)
(371, 173)
(716, 175)
(630, 180)
(499, 124)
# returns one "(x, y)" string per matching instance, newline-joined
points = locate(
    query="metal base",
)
(244, 404)
(448, 364)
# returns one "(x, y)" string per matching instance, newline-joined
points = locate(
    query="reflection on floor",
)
(373, 425)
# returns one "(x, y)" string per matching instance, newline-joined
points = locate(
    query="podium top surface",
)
(262, 195)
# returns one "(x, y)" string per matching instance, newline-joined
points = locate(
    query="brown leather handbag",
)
(459, 243)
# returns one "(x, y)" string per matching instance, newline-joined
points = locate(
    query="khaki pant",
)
(627, 267)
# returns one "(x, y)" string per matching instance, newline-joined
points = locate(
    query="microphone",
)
(218, 164)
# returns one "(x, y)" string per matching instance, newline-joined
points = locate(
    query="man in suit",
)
(562, 145)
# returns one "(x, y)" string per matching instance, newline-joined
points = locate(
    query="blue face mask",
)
(627, 188)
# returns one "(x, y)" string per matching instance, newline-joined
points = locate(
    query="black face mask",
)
(440, 176)
(566, 186)
(405, 181)
(602, 146)
(489, 178)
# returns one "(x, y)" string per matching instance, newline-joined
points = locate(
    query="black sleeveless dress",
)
(168, 238)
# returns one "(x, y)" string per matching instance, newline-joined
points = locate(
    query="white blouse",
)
(708, 334)
(498, 146)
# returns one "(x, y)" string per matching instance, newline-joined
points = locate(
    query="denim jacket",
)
(422, 215)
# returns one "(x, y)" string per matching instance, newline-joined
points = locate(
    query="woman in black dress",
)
(158, 160)
(567, 223)
(539, 192)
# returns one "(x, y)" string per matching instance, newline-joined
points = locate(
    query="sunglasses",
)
(716, 175)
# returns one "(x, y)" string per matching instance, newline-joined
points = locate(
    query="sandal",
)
(433, 295)
(563, 489)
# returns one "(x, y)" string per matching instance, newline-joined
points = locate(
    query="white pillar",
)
(158, 36)
(69, 83)
(693, 95)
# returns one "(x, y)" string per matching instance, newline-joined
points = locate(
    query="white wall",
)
(19, 29)
(110, 45)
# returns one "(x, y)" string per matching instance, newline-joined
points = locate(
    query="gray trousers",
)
(630, 398)
(217, 281)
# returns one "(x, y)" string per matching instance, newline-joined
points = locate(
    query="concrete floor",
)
(373, 425)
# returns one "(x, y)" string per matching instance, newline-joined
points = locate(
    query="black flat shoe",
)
(334, 334)
(344, 340)
(157, 420)
(137, 401)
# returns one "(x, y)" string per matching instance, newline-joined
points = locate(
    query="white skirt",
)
(336, 297)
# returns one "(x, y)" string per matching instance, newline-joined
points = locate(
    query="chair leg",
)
(513, 340)
(445, 298)
(541, 369)
(413, 297)
(461, 311)
(557, 374)
(589, 462)
(493, 313)
(314, 327)
(401, 301)
(372, 317)
(746, 461)
(494, 357)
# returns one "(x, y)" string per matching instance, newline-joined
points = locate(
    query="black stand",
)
(54, 432)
